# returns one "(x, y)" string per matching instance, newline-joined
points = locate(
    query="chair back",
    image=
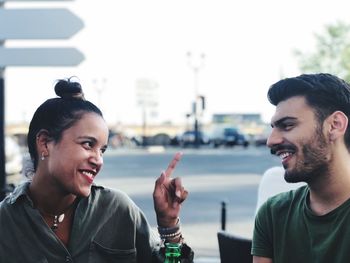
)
(234, 249)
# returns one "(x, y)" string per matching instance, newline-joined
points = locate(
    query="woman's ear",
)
(42, 139)
(338, 123)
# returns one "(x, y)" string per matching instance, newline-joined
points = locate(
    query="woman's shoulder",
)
(110, 197)
(106, 192)
(17, 194)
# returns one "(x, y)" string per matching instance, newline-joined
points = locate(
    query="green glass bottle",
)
(172, 253)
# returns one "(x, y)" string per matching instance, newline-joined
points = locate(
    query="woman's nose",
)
(97, 158)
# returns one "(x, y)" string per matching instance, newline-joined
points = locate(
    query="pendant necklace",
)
(56, 220)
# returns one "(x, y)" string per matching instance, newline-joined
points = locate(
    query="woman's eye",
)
(87, 144)
(103, 150)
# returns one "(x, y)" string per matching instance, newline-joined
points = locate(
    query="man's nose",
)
(274, 138)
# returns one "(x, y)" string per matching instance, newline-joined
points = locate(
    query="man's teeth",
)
(284, 155)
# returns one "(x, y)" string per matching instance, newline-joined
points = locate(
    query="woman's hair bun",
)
(66, 89)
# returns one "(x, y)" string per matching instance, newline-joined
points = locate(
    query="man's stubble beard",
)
(315, 162)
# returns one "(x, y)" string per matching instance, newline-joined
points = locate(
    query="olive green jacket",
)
(107, 227)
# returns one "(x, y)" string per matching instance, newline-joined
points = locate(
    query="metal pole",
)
(196, 126)
(196, 67)
(3, 185)
(144, 126)
(223, 215)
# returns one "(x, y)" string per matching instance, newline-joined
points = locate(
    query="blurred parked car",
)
(120, 140)
(228, 137)
(188, 138)
(161, 139)
(14, 161)
(261, 139)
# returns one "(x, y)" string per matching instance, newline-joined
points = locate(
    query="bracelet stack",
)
(171, 233)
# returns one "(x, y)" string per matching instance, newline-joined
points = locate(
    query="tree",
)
(332, 52)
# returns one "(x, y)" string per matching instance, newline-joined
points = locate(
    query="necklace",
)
(57, 219)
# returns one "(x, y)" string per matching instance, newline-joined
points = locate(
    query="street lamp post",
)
(195, 66)
(100, 88)
(3, 184)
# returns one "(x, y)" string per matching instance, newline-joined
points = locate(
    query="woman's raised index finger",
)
(172, 164)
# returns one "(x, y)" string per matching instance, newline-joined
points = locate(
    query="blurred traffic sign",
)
(147, 93)
(57, 23)
(40, 57)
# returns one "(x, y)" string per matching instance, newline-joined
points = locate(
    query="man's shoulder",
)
(286, 199)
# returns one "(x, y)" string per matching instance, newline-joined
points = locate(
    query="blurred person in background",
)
(60, 215)
(273, 183)
(310, 133)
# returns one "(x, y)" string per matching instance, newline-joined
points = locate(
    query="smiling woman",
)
(63, 215)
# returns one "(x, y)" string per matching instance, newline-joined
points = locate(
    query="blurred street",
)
(211, 176)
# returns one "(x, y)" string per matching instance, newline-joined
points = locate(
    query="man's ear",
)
(338, 123)
(42, 139)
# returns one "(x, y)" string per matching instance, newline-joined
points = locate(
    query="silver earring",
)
(42, 156)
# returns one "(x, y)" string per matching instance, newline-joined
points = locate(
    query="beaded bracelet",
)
(179, 238)
(169, 230)
(171, 235)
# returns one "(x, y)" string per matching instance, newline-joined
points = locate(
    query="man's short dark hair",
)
(324, 92)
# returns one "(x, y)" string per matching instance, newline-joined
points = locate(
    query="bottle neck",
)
(172, 252)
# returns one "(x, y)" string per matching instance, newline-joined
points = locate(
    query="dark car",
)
(188, 138)
(260, 140)
(229, 137)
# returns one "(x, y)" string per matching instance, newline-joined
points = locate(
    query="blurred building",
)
(249, 123)
(237, 118)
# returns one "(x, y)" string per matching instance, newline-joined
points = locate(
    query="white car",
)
(14, 161)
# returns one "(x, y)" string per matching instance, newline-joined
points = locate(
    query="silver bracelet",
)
(170, 236)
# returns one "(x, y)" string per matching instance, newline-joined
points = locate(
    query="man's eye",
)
(287, 126)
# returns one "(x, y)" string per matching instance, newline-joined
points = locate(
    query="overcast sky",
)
(248, 46)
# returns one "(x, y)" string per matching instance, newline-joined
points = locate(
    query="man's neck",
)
(331, 190)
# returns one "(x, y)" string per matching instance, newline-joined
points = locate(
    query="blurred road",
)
(211, 176)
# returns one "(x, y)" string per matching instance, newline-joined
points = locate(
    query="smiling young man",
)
(310, 134)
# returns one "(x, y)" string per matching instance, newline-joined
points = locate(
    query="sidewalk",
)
(203, 238)
(207, 260)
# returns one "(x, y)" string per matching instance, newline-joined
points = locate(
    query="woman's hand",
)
(168, 195)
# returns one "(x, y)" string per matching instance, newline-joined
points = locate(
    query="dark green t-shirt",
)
(286, 230)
